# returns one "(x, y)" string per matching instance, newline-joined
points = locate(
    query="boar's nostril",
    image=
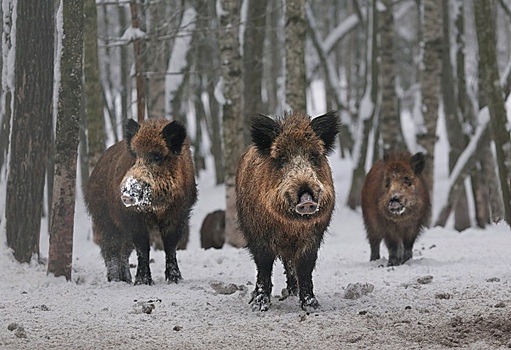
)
(307, 205)
(128, 200)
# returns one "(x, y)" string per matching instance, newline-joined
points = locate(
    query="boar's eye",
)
(407, 181)
(155, 158)
(281, 161)
(315, 159)
(387, 182)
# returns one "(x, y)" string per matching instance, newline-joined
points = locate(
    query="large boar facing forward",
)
(285, 198)
(395, 205)
(141, 184)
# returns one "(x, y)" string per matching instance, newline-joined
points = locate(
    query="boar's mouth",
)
(306, 205)
(136, 193)
(396, 207)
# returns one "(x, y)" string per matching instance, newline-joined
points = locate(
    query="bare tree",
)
(430, 82)
(60, 255)
(493, 93)
(295, 29)
(32, 126)
(232, 110)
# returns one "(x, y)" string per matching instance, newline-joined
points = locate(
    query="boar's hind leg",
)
(261, 295)
(170, 242)
(304, 270)
(142, 245)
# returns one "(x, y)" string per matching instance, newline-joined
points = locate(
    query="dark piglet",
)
(285, 198)
(395, 205)
(143, 184)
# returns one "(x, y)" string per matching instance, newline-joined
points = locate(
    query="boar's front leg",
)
(262, 292)
(142, 246)
(304, 269)
(291, 281)
(170, 242)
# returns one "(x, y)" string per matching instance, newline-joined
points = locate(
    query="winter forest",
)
(74, 71)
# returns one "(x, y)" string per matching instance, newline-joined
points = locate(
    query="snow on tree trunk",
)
(295, 55)
(492, 91)
(390, 117)
(430, 83)
(232, 91)
(32, 125)
(66, 140)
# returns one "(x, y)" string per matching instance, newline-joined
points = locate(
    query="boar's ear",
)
(174, 134)
(263, 132)
(132, 128)
(327, 127)
(417, 161)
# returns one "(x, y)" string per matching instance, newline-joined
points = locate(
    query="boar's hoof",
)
(144, 280)
(260, 301)
(307, 205)
(173, 276)
(309, 303)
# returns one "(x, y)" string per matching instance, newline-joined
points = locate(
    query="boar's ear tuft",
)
(327, 127)
(263, 131)
(132, 128)
(174, 134)
(417, 161)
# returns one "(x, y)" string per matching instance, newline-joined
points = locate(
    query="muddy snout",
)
(306, 205)
(136, 193)
(396, 206)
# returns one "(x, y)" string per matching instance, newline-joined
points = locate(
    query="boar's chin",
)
(136, 194)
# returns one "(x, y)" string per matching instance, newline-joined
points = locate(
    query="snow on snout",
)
(136, 193)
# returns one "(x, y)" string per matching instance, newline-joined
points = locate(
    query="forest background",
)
(73, 71)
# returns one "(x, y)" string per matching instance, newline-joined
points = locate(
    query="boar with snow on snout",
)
(395, 205)
(141, 185)
(285, 198)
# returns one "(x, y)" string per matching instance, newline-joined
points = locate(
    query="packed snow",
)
(456, 292)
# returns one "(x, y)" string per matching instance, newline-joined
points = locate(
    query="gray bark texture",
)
(60, 255)
(32, 126)
(232, 111)
(493, 93)
(295, 30)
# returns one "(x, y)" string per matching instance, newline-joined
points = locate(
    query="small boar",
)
(212, 231)
(285, 198)
(395, 205)
(142, 184)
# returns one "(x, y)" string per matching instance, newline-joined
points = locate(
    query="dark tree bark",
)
(60, 256)
(139, 65)
(32, 126)
(494, 96)
(295, 29)
(253, 62)
(93, 96)
(390, 117)
(232, 111)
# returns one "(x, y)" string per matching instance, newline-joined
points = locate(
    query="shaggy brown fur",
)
(156, 157)
(285, 198)
(212, 231)
(395, 205)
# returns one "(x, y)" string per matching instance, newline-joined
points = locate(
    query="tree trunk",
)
(430, 83)
(296, 83)
(493, 93)
(139, 66)
(390, 117)
(232, 111)
(253, 62)
(93, 96)
(60, 256)
(32, 125)
(453, 122)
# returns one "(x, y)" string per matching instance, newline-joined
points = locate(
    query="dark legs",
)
(142, 246)
(375, 248)
(399, 251)
(291, 281)
(304, 269)
(115, 250)
(170, 241)
(261, 295)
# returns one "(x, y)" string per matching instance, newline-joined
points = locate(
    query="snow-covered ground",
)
(456, 292)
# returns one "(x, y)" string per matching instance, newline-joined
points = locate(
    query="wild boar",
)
(212, 231)
(285, 198)
(139, 185)
(395, 205)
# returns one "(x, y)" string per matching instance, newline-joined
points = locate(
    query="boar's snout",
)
(396, 206)
(306, 205)
(136, 193)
